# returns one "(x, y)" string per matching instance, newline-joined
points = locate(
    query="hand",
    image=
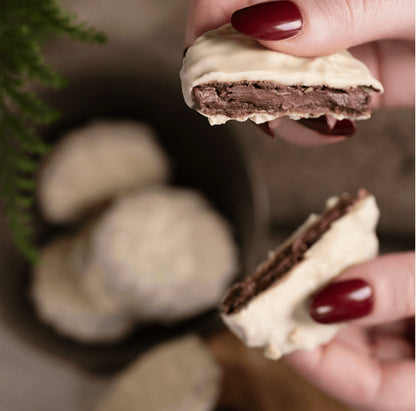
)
(370, 363)
(320, 27)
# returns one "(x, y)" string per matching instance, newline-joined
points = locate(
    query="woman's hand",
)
(370, 363)
(378, 30)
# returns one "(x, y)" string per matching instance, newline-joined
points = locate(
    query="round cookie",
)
(164, 252)
(92, 164)
(61, 302)
(179, 375)
(79, 264)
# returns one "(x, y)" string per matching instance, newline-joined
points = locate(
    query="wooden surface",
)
(253, 383)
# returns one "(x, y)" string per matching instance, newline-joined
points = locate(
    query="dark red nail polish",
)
(323, 125)
(343, 127)
(342, 301)
(274, 20)
(265, 127)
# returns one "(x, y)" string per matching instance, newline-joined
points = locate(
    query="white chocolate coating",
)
(180, 375)
(278, 319)
(226, 55)
(61, 302)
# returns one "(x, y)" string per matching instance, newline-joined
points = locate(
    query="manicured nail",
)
(342, 301)
(323, 125)
(265, 127)
(274, 20)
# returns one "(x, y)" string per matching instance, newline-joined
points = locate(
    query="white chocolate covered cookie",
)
(228, 75)
(270, 309)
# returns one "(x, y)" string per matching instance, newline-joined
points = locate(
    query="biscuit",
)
(270, 309)
(227, 75)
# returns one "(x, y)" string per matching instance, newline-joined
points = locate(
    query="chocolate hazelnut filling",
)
(238, 99)
(284, 260)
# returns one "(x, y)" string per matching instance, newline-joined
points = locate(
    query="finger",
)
(390, 347)
(375, 292)
(294, 132)
(403, 328)
(354, 337)
(387, 60)
(393, 63)
(327, 26)
(206, 15)
(324, 26)
(356, 379)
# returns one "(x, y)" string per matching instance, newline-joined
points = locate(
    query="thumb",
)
(375, 292)
(321, 27)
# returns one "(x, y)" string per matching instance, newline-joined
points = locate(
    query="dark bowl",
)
(210, 159)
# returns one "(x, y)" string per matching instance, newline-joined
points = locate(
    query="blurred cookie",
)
(79, 264)
(270, 309)
(164, 253)
(93, 163)
(227, 75)
(61, 302)
(179, 375)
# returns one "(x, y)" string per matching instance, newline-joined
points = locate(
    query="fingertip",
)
(329, 126)
(304, 360)
(273, 20)
(296, 133)
(265, 128)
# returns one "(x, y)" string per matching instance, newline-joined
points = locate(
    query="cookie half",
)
(270, 309)
(229, 76)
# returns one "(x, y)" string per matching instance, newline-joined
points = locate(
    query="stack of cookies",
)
(154, 253)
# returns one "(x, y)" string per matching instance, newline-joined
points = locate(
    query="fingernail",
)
(266, 128)
(322, 125)
(274, 20)
(342, 301)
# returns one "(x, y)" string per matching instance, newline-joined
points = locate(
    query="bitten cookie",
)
(60, 301)
(229, 76)
(92, 164)
(164, 253)
(180, 375)
(270, 308)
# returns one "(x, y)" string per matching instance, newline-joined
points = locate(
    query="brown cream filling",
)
(238, 99)
(267, 274)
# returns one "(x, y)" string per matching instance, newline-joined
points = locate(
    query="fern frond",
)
(23, 27)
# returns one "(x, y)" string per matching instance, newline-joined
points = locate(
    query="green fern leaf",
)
(23, 27)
